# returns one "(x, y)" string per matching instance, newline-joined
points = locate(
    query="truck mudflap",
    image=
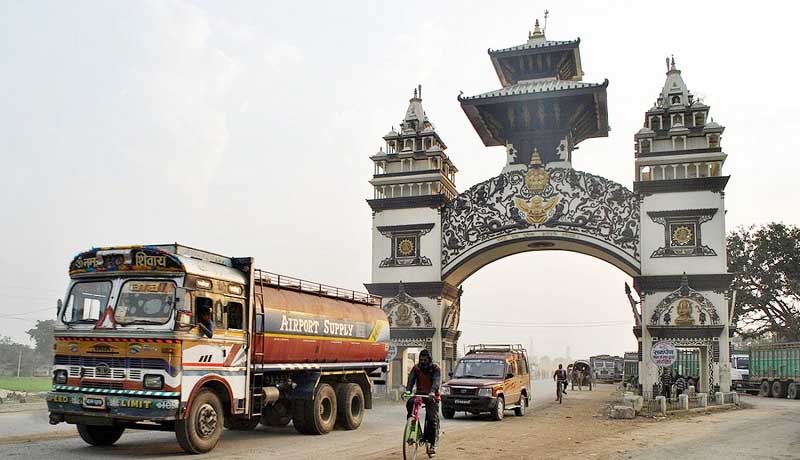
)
(69, 406)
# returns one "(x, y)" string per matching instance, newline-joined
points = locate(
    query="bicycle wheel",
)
(411, 435)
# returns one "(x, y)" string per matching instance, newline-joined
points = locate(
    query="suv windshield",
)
(480, 368)
(145, 302)
(85, 301)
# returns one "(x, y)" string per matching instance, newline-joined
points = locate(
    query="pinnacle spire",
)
(537, 31)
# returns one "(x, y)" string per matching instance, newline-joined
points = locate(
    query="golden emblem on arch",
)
(682, 235)
(537, 210)
(406, 247)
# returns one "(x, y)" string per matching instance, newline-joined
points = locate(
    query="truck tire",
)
(100, 435)
(279, 414)
(448, 412)
(200, 431)
(779, 389)
(317, 416)
(499, 409)
(350, 405)
(793, 392)
(523, 406)
(765, 389)
(242, 424)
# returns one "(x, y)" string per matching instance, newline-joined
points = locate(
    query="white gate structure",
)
(667, 232)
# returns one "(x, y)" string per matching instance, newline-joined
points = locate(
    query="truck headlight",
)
(485, 392)
(445, 391)
(153, 382)
(60, 377)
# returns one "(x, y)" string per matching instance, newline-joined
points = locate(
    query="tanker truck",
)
(171, 338)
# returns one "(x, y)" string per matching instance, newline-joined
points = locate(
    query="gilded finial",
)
(672, 63)
(537, 31)
(536, 159)
(415, 93)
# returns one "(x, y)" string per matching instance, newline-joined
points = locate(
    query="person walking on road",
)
(560, 377)
(666, 383)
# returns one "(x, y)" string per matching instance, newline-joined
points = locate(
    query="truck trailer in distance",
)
(775, 369)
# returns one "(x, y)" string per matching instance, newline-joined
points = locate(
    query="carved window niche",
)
(405, 245)
(682, 232)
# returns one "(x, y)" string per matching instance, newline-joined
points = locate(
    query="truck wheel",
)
(779, 389)
(350, 405)
(280, 414)
(499, 409)
(793, 392)
(242, 424)
(448, 412)
(100, 435)
(200, 431)
(765, 390)
(523, 406)
(317, 416)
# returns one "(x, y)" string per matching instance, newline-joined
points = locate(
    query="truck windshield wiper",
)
(141, 321)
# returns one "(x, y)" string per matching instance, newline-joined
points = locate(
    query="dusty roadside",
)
(577, 429)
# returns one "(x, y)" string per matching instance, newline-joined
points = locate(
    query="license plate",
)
(92, 402)
(462, 401)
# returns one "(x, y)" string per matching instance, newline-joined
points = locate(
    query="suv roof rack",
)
(498, 348)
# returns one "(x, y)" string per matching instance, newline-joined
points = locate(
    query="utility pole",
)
(19, 361)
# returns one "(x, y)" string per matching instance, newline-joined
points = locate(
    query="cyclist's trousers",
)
(431, 418)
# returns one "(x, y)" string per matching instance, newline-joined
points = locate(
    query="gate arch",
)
(536, 208)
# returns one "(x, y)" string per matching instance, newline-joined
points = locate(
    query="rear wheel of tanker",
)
(779, 389)
(765, 390)
(350, 405)
(242, 424)
(448, 412)
(100, 435)
(200, 431)
(279, 414)
(317, 416)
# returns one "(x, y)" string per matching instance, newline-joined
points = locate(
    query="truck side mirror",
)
(59, 304)
(183, 309)
(510, 375)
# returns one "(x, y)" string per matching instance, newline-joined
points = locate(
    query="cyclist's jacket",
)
(560, 374)
(427, 381)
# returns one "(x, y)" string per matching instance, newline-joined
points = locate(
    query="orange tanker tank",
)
(306, 327)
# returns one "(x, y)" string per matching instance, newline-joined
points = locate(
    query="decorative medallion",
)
(537, 210)
(684, 302)
(405, 311)
(406, 247)
(682, 235)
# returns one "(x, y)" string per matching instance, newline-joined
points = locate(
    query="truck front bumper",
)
(469, 403)
(102, 409)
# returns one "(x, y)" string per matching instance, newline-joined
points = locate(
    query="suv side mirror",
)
(510, 375)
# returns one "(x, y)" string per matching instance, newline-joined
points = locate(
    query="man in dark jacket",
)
(426, 376)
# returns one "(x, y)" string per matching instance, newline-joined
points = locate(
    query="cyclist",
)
(560, 376)
(426, 375)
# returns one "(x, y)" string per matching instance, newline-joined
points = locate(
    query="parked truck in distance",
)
(172, 338)
(775, 369)
(607, 368)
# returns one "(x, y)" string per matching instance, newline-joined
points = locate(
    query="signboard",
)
(392, 353)
(664, 354)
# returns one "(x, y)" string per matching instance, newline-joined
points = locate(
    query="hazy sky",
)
(245, 128)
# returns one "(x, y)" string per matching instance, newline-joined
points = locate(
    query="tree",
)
(42, 333)
(766, 264)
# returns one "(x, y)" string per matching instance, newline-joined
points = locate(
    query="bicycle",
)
(413, 432)
(560, 387)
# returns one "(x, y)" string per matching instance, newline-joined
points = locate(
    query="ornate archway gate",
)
(668, 233)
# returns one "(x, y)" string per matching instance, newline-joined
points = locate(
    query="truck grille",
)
(109, 368)
(102, 385)
(463, 391)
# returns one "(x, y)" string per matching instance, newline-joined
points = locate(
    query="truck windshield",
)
(480, 368)
(145, 302)
(85, 301)
(741, 362)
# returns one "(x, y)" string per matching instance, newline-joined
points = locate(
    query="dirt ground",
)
(576, 429)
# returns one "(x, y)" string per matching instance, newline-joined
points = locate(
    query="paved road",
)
(28, 436)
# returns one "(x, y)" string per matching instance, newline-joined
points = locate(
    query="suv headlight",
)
(153, 382)
(60, 377)
(485, 392)
(445, 391)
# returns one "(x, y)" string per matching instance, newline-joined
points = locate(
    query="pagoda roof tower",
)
(543, 104)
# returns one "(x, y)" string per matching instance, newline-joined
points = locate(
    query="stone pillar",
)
(702, 399)
(661, 401)
(683, 402)
(719, 397)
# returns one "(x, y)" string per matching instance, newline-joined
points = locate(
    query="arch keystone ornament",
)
(667, 232)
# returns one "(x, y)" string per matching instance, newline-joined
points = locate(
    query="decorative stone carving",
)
(546, 199)
(683, 302)
(404, 311)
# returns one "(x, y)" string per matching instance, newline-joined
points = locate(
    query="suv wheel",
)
(499, 409)
(523, 406)
(448, 412)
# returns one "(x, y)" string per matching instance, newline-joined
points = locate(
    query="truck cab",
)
(489, 379)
